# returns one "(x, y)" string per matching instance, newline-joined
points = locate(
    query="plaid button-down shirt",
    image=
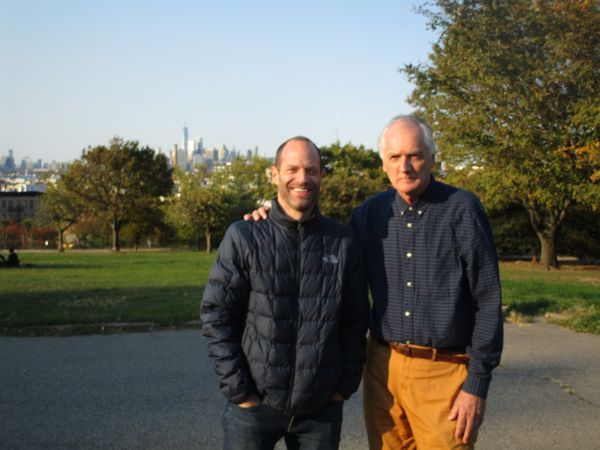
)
(433, 275)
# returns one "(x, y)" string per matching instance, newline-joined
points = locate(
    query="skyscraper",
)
(9, 162)
(184, 144)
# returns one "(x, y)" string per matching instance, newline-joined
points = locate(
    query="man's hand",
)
(251, 401)
(258, 214)
(468, 411)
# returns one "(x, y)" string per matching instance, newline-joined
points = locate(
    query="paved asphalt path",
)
(157, 391)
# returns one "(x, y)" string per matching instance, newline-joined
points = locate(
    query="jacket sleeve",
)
(354, 322)
(223, 316)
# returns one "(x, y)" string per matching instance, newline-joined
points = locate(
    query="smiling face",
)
(406, 160)
(298, 176)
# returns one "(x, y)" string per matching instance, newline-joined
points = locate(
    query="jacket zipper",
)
(299, 237)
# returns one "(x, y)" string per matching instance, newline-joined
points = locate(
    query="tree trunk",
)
(207, 234)
(61, 246)
(116, 227)
(545, 223)
(548, 256)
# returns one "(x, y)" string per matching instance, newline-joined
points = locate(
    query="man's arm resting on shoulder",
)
(223, 315)
(257, 215)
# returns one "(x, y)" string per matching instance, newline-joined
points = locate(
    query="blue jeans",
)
(261, 426)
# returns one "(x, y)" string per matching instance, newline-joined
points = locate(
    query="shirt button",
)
(419, 212)
(409, 284)
(407, 342)
(409, 225)
(407, 313)
(409, 255)
(410, 208)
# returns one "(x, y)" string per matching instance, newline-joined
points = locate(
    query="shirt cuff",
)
(477, 385)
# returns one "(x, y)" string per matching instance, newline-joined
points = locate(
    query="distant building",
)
(195, 147)
(192, 153)
(26, 165)
(179, 158)
(222, 152)
(184, 142)
(17, 206)
(9, 163)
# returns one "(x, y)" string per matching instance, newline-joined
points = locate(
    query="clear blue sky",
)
(76, 73)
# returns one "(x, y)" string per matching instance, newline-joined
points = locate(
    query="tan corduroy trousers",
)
(407, 401)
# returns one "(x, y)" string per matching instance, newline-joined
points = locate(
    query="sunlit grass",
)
(572, 293)
(161, 287)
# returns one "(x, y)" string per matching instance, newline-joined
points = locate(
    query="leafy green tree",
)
(198, 211)
(145, 223)
(512, 92)
(251, 177)
(208, 202)
(245, 184)
(118, 181)
(61, 208)
(352, 174)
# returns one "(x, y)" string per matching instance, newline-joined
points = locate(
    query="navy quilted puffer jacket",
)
(285, 312)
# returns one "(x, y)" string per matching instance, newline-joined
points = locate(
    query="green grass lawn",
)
(164, 288)
(82, 288)
(571, 295)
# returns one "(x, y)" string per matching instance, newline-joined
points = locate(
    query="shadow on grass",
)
(158, 306)
(530, 307)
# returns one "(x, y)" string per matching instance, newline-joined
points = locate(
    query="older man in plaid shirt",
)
(436, 324)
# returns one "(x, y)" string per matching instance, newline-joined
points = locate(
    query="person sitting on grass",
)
(13, 259)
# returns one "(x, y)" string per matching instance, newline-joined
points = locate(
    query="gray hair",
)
(425, 131)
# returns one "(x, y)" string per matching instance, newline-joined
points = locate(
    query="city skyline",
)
(18, 159)
(243, 75)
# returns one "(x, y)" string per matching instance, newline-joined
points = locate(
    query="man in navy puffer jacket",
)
(285, 313)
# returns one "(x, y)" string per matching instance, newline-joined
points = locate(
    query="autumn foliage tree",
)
(119, 181)
(511, 90)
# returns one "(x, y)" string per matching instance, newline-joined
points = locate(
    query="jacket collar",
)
(280, 217)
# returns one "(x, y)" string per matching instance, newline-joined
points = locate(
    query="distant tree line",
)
(123, 193)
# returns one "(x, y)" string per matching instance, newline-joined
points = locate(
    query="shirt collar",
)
(401, 207)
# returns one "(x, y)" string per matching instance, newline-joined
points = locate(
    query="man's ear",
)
(274, 175)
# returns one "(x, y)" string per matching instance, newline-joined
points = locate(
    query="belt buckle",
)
(403, 348)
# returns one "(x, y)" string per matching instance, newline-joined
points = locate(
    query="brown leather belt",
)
(431, 353)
